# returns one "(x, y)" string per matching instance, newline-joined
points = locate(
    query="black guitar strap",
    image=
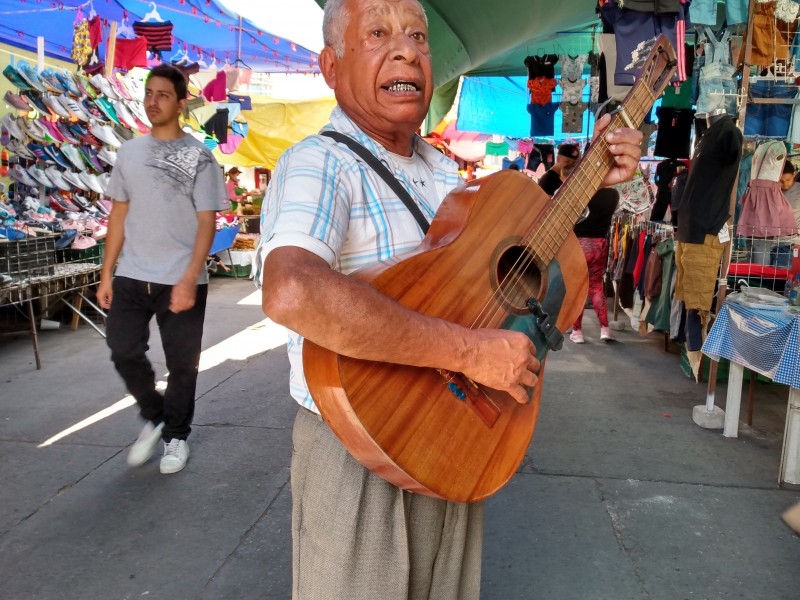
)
(384, 173)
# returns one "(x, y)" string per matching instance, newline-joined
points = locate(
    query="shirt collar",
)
(342, 123)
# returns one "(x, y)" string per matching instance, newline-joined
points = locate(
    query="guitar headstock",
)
(655, 63)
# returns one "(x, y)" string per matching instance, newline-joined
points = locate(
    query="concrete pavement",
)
(621, 495)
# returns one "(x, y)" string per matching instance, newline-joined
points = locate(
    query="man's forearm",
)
(114, 238)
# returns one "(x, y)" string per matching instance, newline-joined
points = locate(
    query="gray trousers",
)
(357, 537)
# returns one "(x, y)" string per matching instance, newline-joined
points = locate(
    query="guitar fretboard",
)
(571, 199)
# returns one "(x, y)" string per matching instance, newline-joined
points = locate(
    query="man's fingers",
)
(519, 394)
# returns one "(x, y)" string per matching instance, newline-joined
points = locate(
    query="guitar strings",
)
(520, 268)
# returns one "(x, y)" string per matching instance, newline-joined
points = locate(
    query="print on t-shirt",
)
(179, 166)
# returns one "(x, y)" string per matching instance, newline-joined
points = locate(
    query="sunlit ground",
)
(256, 339)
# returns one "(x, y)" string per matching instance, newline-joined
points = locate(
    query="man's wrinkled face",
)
(384, 80)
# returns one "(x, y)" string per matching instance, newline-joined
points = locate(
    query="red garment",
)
(158, 33)
(541, 90)
(95, 32)
(596, 252)
(130, 53)
(215, 91)
(639, 267)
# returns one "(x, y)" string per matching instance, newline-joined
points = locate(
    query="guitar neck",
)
(571, 199)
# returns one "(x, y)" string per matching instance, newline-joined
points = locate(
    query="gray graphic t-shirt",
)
(165, 183)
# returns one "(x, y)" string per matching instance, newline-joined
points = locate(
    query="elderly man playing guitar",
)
(327, 213)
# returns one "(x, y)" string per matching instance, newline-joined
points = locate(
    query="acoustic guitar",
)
(499, 254)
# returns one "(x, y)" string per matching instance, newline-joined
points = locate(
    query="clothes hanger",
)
(125, 30)
(153, 14)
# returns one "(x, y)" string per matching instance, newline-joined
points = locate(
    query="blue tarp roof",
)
(201, 25)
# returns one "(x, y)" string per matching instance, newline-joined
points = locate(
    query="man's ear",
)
(327, 66)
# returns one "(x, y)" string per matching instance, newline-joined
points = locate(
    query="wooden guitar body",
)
(406, 423)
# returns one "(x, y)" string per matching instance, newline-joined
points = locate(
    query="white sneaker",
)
(605, 335)
(577, 336)
(176, 454)
(145, 445)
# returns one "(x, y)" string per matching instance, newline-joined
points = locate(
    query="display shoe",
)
(104, 207)
(14, 128)
(68, 83)
(577, 336)
(125, 116)
(606, 335)
(86, 86)
(83, 242)
(16, 101)
(29, 74)
(66, 239)
(40, 176)
(102, 84)
(57, 178)
(52, 130)
(75, 108)
(18, 148)
(75, 181)
(30, 129)
(176, 454)
(57, 157)
(137, 108)
(51, 82)
(55, 105)
(100, 232)
(35, 100)
(11, 234)
(105, 134)
(74, 156)
(86, 155)
(84, 203)
(145, 445)
(104, 179)
(16, 79)
(67, 134)
(31, 203)
(37, 150)
(107, 156)
(6, 210)
(18, 173)
(90, 179)
(104, 104)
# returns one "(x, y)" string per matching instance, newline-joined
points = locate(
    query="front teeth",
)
(403, 87)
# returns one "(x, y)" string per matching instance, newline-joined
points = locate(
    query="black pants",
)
(128, 331)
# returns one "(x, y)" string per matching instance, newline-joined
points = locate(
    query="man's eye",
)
(377, 33)
(419, 36)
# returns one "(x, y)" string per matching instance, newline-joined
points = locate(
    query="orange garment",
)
(541, 89)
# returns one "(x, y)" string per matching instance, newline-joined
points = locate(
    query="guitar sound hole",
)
(517, 278)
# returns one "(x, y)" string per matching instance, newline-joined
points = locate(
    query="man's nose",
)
(403, 47)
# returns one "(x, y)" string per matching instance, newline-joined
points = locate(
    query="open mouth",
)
(402, 86)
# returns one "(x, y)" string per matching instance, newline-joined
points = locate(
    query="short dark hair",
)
(175, 75)
(788, 167)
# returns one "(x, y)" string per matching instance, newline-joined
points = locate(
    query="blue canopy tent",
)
(203, 27)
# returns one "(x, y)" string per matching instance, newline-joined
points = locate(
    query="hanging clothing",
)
(81, 43)
(717, 78)
(541, 66)
(572, 116)
(674, 136)
(765, 210)
(95, 32)
(157, 33)
(541, 90)
(542, 119)
(130, 53)
(572, 66)
(215, 91)
(770, 120)
(771, 38)
(705, 204)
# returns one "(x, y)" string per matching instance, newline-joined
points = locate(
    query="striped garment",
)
(326, 200)
(158, 33)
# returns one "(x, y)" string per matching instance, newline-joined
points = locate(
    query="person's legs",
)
(358, 537)
(596, 251)
(181, 338)
(128, 332)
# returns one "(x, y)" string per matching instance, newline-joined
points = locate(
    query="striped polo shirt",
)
(325, 199)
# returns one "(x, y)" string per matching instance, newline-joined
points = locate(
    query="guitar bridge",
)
(469, 392)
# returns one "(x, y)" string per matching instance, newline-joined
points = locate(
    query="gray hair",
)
(334, 24)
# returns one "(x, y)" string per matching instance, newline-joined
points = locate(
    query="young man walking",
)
(166, 188)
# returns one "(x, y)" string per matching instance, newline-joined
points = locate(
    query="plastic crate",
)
(93, 255)
(242, 271)
(31, 257)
